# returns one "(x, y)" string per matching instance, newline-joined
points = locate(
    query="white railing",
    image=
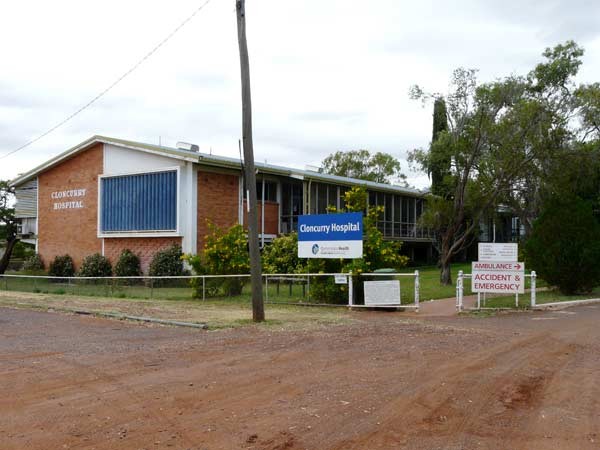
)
(481, 298)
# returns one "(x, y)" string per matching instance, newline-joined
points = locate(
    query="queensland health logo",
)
(330, 236)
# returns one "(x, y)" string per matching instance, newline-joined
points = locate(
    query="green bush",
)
(225, 253)
(62, 266)
(564, 247)
(33, 265)
(95, 265)
(281, 256)
(23, 250)
(128, 264)
(167, 262)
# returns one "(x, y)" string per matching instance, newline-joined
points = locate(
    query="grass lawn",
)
(429, 280)
(545, 296)
(177, 289)
(217, 314)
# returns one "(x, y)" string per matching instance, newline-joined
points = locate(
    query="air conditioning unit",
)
(187, 146)
(313, 168)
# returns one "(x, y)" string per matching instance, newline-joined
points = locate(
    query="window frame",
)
(143, 233)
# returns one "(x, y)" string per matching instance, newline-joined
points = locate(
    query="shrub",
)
(128, 264)
(281, 255)
(564, 246)
(62, 266)
(23, 250)
(95, 265)
(33, 265)
(167, 262)
(225, 253)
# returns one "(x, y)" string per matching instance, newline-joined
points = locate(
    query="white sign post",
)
(498, 277)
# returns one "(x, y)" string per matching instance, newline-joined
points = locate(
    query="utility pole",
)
(258, 309)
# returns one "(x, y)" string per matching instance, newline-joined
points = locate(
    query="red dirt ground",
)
(513, 381)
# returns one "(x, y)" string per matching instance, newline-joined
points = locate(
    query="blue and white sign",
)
(330, 236)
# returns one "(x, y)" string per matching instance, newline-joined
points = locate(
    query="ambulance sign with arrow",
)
(498, 277)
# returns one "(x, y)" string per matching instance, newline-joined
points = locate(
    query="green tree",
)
(378, 167)
(439, 162)
(8, 223)
(500, 137)
(564, 247)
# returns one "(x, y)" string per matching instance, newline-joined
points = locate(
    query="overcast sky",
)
(326, 75)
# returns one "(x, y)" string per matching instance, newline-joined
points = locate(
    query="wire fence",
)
(318, 288)
(326, 289)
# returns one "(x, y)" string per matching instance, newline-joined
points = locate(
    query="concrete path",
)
(445, 307)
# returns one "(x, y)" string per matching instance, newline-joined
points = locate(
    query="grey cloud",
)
(553, 20)
(318, 116)
(205, 80)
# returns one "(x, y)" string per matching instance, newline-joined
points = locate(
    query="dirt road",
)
(515, 381)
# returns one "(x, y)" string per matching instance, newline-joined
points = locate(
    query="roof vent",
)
(314, 169)
(187, 146)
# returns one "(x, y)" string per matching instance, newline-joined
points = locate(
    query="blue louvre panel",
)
(145, 202)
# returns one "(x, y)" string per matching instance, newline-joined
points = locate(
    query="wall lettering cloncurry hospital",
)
(71, 193)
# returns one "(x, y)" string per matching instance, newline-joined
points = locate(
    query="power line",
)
(114, 83)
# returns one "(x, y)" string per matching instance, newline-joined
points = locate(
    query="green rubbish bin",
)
(386, 270)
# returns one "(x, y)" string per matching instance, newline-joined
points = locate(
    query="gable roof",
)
(212, 160)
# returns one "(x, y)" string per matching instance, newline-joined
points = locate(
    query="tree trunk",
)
(445, 272)
(445, 258)
(10, 245)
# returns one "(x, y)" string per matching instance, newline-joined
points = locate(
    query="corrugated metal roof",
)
(216, 161)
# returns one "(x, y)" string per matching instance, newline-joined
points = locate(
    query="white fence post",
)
(417, 289)
(203, 288)
(533, 295)
(459, 289)
(266, 288)
(350, 289)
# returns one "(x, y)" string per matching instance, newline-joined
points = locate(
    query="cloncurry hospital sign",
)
(69, 199)
(330, 235)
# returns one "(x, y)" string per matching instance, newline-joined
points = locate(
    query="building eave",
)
(148, 148)
(204, 159)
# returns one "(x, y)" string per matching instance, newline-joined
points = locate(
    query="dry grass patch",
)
(215, 314)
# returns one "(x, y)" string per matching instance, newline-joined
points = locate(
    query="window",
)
(270, 191)
(322, 196)
(142, 202)
(291, 205)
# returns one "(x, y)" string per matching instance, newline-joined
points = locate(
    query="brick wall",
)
(145, 248)
(271, 217)
(217, 200)
(66, 226)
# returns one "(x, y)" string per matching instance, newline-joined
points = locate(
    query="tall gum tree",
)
(500, 136)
